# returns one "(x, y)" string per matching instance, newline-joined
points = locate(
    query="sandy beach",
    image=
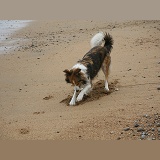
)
(34, 94)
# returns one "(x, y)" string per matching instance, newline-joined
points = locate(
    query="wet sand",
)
(33, 86)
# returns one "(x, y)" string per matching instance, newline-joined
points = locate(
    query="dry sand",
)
(32, 83)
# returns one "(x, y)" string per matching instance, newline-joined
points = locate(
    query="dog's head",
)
(75, 77)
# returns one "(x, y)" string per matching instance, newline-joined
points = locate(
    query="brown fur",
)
(105, 66)
(75, 77)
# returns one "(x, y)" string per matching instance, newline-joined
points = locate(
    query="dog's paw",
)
(106, 89)
(72, 103)
(80, 97)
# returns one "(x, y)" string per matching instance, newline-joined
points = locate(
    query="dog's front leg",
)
(73, 100)
(84, 91)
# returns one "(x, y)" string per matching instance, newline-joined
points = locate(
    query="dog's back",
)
(94, 58)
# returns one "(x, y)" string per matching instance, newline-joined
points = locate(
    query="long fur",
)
(82, 74)
(97, 39)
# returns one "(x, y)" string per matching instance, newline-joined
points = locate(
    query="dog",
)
(84, 71)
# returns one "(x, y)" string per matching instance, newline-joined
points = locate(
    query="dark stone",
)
(118, 138)
(140, 129)
(152, 129)
(126, 129)
(136, 125)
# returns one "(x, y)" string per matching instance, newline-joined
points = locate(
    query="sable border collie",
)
(82, 74)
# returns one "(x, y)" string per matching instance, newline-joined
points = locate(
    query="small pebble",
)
(140, 129)
(144, 133)
(118, 138)
(146, 116)
(158, 124)
(152, 129)
(153, 138)
(158, 129)
(116, 89)
(143, 136)
(126, 129)
(136, 125)
(158, 88)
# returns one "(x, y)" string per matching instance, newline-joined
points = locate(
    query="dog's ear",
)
(77, 71)
(67, 72)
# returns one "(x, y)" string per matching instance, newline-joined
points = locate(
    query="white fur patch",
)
(73, 100)
(80, 66)
(97, 40)
(106, 86)
(83, 92)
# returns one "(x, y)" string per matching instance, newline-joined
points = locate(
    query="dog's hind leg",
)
(105, 68)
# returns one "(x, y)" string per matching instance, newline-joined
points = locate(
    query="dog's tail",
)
(108, 42)
(97, 39)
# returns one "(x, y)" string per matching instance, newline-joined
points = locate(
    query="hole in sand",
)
(96, 93)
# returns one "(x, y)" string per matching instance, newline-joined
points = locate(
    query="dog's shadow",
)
(96, 93)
